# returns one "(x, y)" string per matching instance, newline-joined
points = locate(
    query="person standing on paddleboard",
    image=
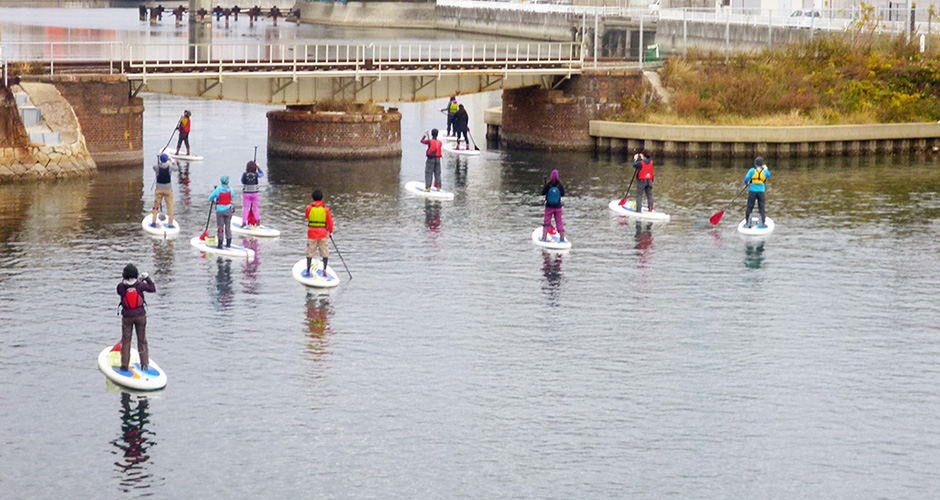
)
(754, 180)
(643, 163)
(184, 125)
(432, 166)
(462, 125)
(133, 314)
(250, 195)
(164, 189)
(553, 191)
(451, 110)
(319, 229)
(222, 196)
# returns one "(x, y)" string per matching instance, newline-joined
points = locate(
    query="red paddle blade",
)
(623, 201)
(551, 229)
(204, 235)
(715, 219)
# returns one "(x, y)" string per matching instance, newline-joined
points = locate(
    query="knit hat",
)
(759, 161)
(224, 180)
(164, 157)
(554, 175)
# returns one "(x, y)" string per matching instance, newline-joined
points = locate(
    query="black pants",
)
(128, 325)
(184, 139)
(751, 196)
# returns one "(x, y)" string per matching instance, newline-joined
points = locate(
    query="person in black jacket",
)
(553, 191)
(461, 125)
(133, 314)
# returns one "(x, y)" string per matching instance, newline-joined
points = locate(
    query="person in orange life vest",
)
(553, 191)
(755, 181)
(222, 196)
(432, 166)
(643, 163)
(183, 126)
(319, 228)
(133, 314)
(462, 125)
(164, 189)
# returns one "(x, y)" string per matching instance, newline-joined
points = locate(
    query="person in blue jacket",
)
(222, 196)
(755, 179)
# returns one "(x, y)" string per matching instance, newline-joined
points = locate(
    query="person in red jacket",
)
(643, 163)
(183, 126)
(319, 228)
(432, 166)
(133, 314)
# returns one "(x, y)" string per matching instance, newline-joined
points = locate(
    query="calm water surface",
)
(669, 361)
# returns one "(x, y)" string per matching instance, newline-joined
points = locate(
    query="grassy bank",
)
(827, 81)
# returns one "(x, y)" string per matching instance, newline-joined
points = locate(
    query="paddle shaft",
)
(715, 219)
(629, 187)
(172, 134)
(340, 257)
(208, 216)
(473, 141)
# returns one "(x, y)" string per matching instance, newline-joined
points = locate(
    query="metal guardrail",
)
(619, 8)
(182, 60)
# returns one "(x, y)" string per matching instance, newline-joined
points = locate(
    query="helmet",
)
(164, 157)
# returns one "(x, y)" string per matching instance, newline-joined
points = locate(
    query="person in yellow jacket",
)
(451, 110)
(319, 229)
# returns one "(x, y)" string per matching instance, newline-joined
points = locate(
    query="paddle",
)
(171, 135)
(340, 258)
(205, 233)
(625, 195)
(471, 139)
(715, 219)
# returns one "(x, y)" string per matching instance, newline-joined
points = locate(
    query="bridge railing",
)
(43, 57)
(619, 8)
(300, 57)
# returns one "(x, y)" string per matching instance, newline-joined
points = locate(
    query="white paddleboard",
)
(627, 211)
(109, 362)
(317, 279)
(553, 242)
(447, 138)
(181, 157)
(233, 251)
(451, 148)
(757, 230)
(162, 229)
(417, 188)
(260, 231)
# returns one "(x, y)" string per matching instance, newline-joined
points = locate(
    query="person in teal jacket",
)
(222, 196)
(755, 180)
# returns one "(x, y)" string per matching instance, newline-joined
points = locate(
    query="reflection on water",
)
(163, 257)
(644, 242)
(224, 285)
(753, 253)
(133, 445)
(460, 171)
(432, 215)
(252, 284)
(318, 313)
(551, 270)
(376, 176)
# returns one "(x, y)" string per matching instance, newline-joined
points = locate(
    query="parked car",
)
(804, 18)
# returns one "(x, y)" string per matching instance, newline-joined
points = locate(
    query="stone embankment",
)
(306, 132)
(23, 159)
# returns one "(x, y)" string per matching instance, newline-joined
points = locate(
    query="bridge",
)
(306, 73)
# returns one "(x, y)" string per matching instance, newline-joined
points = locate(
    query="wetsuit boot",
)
(219, 240)
(325, 260)
(228, 242)
(308, 264)
(561, 236)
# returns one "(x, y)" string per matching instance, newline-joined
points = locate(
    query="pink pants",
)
(549, 212)
(250, 202)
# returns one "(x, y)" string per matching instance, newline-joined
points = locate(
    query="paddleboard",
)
(182, 157)
(109, 362)
(758, 230)
(162, 229)
(625, 210)
(417, 188)
(259, 231)
(451, 148)
(317, 279)
(233, 251)
(552, 242)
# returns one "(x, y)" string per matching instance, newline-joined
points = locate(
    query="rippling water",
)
(670, 361)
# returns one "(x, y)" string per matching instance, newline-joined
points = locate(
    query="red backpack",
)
(132, 298)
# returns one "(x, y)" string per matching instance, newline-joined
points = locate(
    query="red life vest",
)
(132, 298)
(646, 169)
(185, 124)
(225, 198)
(434, 149)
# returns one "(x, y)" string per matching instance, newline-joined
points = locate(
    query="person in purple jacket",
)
(133, 314)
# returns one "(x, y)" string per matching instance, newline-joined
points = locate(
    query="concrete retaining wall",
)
(673, 36)
(511, 23)
(369, 14)
(696, 141)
